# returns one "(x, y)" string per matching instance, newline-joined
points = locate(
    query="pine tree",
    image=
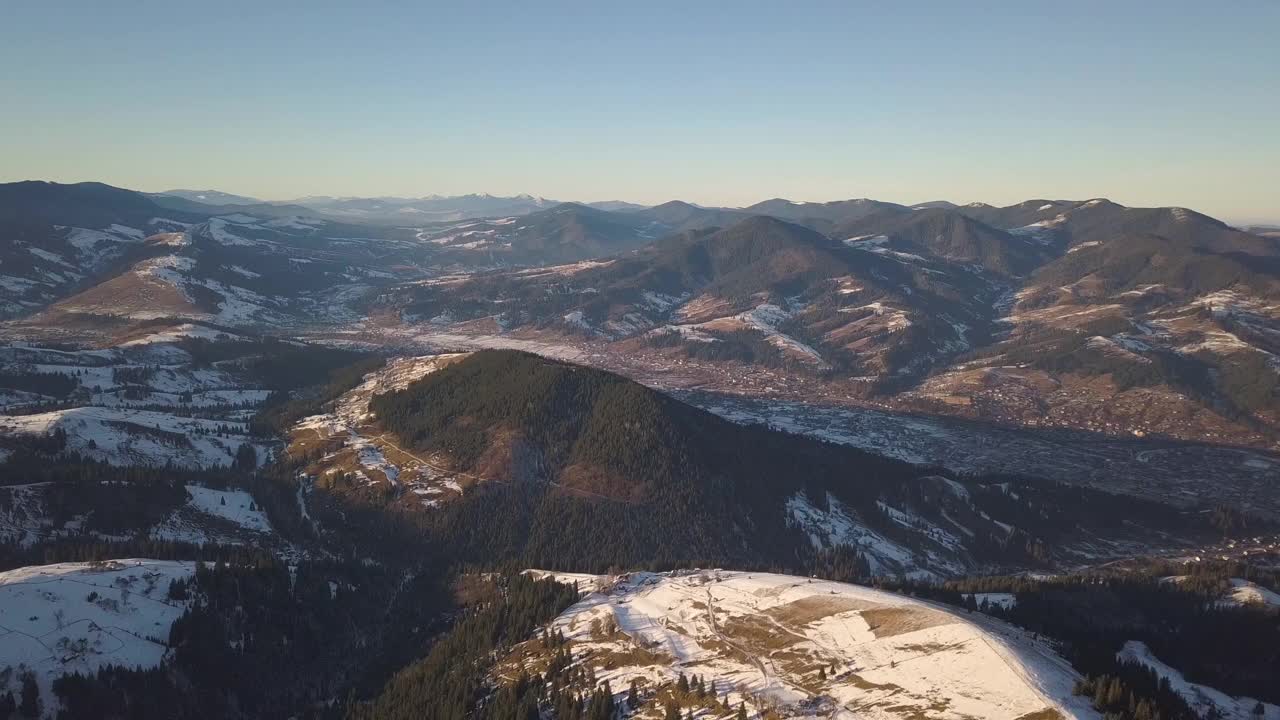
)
(1100, 693)
(742, 711)
(1115, 692)
(30, 704)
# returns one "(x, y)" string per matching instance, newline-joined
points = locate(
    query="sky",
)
(1170, 103)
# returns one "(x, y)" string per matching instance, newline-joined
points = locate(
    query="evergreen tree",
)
(30, 704)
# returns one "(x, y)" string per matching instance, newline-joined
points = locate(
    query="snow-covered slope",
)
(143, 401)
(39, 264)
(839, 525)
(1205, 700)
(803, 647)
(29, 514)
(357, 448)
(139, 437)
(78, 617)
(216, 516)
(1241, 592)
(1246, 592)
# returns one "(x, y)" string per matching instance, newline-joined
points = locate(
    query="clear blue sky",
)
(1170, 103)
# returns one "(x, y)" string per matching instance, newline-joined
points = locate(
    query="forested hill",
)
(511, 415)
(583, 469)
(584, 464)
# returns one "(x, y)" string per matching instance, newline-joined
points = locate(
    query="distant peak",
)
(1099, 202)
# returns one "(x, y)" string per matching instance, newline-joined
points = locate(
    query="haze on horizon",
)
(715, 103)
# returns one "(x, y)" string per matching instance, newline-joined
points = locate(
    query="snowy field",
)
(803, 647)
(78, 617)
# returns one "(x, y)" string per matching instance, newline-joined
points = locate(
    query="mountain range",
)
(1079, 314)
(248, 441)
(392, 210)
(1074, 314)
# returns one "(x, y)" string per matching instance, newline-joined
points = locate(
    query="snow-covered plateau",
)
(801, 647)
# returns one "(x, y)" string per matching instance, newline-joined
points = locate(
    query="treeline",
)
(535, 525)
(266, 640)
(569, 690)
(286, 406)
(1232, 649)
(56, 385)
(1186, 624)
(1132, 691)
(110, 500)
(88, 549)
(449, 682)
(302, 377)
(283, 365)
